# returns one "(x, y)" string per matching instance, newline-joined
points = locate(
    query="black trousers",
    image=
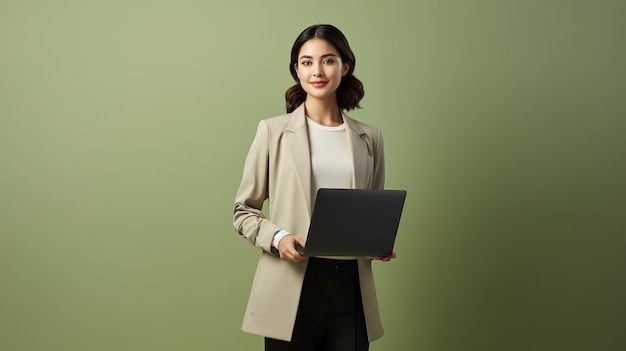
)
(330, 316)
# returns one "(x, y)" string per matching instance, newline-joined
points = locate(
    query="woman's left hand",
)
(388, 257)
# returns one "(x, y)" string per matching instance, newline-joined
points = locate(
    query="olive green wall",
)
(124, 126)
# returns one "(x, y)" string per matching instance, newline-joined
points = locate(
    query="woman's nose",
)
(317, 72)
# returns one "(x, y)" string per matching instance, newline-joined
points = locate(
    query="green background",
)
(124, 126)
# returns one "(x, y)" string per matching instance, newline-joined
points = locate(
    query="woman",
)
(296, 302)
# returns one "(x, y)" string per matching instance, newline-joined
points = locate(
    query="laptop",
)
(354, 222)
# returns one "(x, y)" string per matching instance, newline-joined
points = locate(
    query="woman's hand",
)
(388, 257)
(288, 248)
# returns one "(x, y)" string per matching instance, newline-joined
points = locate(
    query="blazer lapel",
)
(361, 153)
(298, 141)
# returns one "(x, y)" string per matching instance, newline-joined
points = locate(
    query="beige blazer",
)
(278, 168)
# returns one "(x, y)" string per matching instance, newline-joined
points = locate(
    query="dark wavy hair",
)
(350, 90)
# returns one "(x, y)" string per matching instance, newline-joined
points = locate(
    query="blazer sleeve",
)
(248, 219)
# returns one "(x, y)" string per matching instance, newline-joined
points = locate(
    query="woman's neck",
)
(326, 114)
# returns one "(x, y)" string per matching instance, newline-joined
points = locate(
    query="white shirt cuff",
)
(279, 235)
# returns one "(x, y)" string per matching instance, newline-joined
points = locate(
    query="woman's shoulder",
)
(277, 120)
(276, 126)
(292, 120)
(364, 127)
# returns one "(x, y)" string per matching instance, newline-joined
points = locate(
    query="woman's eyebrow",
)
(323, 56)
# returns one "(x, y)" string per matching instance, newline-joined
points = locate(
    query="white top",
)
(331, 162)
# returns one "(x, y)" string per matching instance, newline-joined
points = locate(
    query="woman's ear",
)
(346, 68)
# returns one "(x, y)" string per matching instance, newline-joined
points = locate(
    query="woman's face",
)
(320, 69)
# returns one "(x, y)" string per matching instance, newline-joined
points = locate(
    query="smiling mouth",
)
(318, 84)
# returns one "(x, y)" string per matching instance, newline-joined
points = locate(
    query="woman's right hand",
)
(288, 248)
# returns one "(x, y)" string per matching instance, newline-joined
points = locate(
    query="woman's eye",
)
(328, 61)
(305, 63)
